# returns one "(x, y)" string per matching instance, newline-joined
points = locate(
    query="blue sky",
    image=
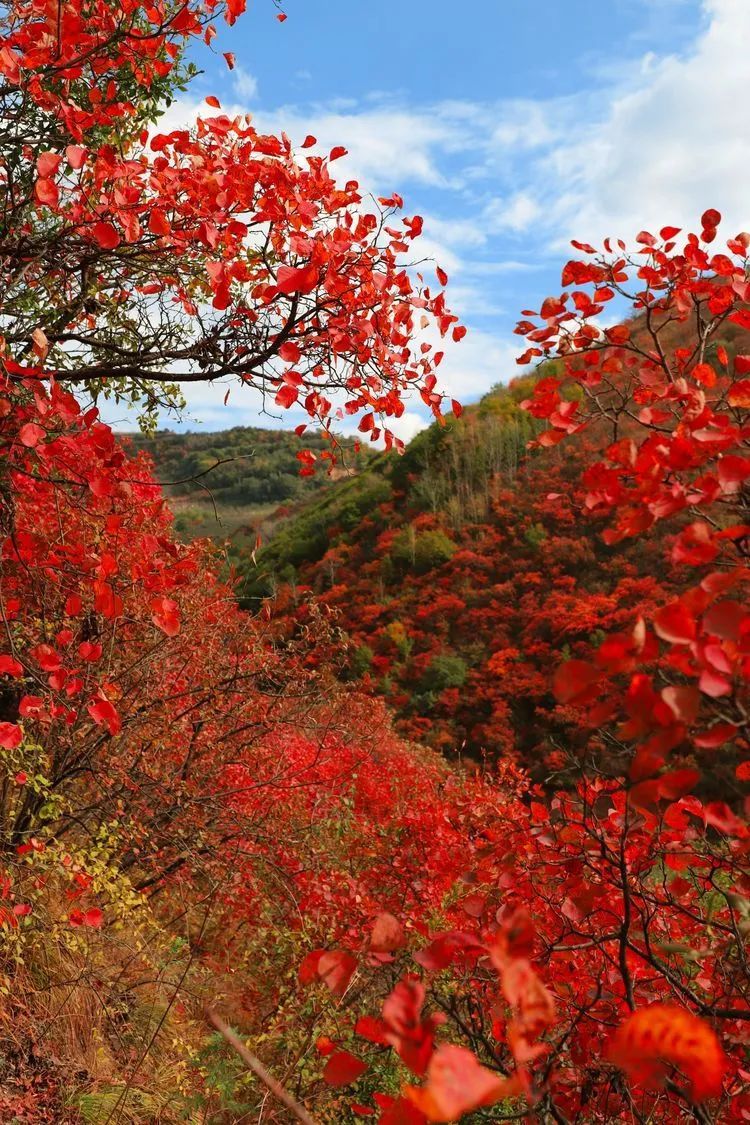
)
(510, 125)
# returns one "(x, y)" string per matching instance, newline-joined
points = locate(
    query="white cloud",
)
(517, 213)
(387, 148)
(474, 365)
(406, 427)
(524, 124)
(656, 141)
(245, 84)
(672, 143)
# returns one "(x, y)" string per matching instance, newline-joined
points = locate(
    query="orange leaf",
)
(457, 1084)
(387, 934)
(336, 968)
(663, 1035)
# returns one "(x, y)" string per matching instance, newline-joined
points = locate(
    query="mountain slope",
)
(231, 484)
(460, 572)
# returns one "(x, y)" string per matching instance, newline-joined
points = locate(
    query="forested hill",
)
(462, 570)
(232, 483)
(459, 572)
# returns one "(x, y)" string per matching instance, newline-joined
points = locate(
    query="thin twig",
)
(258, 1069)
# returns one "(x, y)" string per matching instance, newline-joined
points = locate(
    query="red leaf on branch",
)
(9, 666)
(165, 614)
(105, 714)
(291, 280)
(286, 396)
(30, 435)
(105, 234)
(675, 623)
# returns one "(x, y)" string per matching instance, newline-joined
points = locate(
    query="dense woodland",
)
(432, 807)
(238, 484)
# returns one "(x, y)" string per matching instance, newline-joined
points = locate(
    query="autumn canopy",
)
(199, 811)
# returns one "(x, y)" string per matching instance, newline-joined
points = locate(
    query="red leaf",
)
(675, 623)
(286, 396)
(683, 702)
(290, 280)
(733, 471)
(104, 714)
(401, 1112)
(9, 666)
(445, 949)
(457, 1084)
(106, 235)
(719, 815)
(308, 970)
(372, 1029)
(76, 156)
(715, 736)
(724, 619)
(30, 434)
(404, 1028)
(166, 616)
(704, 373)
(290, 352)
(47, 164)
(93, 918)
(677, 783)
(336, 968)
(47, 192)
(739, 394)
(337, 152)
(387, 934)
(10, 736)
(573, 680)
(158, 223)
(710, 219)
(343, 1069)
(213, 101)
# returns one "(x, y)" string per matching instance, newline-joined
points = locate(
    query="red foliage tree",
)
(208, 253)
(627, 896)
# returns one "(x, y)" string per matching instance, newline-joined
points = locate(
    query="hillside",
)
(231, 484)
(459, 572)
(422, 796)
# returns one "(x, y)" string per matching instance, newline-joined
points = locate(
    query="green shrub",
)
(422, 551)
(445, 671)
